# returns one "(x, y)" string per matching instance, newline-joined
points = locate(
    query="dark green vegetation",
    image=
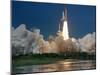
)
(36, 59)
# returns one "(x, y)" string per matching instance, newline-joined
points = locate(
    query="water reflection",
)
(65, 65)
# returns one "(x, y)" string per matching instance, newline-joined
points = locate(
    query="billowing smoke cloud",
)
(88, 43)
(25, 41)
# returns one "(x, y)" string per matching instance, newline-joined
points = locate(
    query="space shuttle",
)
(64, 18)
(64, 15)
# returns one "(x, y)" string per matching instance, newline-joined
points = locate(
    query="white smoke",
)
(88, 43)
(25, 41)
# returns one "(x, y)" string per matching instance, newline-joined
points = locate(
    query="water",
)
(66, 65)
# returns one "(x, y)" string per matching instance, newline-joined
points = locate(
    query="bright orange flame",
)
(65, 31)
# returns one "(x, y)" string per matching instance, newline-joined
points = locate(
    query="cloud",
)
(88, 43)
(25, 41)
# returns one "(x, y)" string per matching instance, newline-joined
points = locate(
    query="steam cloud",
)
(25, 41)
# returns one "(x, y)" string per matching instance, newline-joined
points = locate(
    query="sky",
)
(47, 16)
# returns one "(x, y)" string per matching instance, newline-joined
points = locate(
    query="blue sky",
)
(46, 17)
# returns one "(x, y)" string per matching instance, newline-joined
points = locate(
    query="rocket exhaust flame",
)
(65, 31)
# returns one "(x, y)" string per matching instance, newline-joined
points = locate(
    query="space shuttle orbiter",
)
(64, 15)
(63, 19)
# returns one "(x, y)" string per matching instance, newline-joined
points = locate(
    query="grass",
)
(39, 59)
(35, 59)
